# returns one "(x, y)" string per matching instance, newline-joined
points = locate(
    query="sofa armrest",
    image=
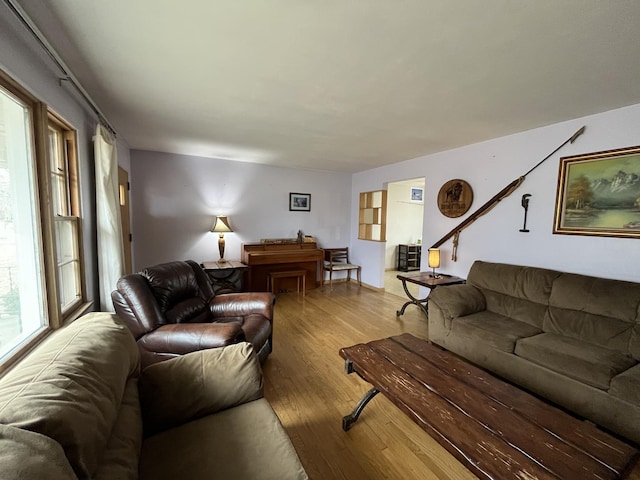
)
(457, 300)
(449, 303)
(181, 338)
(25, 454)
(234, 305)
(185, 388)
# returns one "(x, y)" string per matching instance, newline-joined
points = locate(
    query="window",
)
(41, 272)
(66, 211)
(23, 303)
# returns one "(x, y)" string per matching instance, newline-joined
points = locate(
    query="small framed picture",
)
(300, 202)
(416, 194)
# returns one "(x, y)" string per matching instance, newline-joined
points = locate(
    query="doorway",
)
(405, 214)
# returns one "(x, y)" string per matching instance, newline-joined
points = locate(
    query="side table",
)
(226, 277)
(425, 279)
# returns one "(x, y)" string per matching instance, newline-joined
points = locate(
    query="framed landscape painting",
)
(599, 194)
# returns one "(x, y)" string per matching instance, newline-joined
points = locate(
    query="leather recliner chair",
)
(171, 309)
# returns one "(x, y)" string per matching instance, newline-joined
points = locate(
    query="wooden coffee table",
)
(495, 429)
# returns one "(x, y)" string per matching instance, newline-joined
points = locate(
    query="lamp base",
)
(221, 249)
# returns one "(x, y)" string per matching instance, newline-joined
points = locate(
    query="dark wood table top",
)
(495, 429)
(426, 279)
(226, 265)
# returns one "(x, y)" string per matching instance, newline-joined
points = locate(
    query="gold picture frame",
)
(599, 194)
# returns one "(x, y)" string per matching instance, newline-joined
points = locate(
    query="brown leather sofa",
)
(171, 309)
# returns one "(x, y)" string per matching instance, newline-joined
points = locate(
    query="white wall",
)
(404, 220)
(490, 166)
(176, 198)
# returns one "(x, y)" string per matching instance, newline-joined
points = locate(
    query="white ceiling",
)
(342, 85)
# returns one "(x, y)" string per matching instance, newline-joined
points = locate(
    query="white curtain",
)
(109, 227)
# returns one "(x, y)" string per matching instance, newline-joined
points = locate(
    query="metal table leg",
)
(349, 420)
(419, 302)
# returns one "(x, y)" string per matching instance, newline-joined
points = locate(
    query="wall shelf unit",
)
(373, 216)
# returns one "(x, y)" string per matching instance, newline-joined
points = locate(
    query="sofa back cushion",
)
(197, 384)
(595, 310)
(517, 292)
(71, 386)
(181, 290)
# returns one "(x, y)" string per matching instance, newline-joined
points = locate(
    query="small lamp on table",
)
(221, 226)
(434, 261)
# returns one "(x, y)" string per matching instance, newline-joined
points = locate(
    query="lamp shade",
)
(434, 258)
(221, 225)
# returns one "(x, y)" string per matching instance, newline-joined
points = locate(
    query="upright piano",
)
(264, 258)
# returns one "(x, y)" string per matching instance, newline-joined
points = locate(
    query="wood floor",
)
(306, 384)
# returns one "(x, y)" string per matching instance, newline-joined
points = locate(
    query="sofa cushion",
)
(517, 292)
(627, 385)
(30, 455)
(595, 310)
(495, 330)
(70, 387)
(634, 341)
(120, 460)
(587, 363)
(197, 384)
(242, 443)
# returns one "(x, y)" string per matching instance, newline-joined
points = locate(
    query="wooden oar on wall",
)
(505, 192)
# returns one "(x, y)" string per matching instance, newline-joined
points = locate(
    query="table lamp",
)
(221, 226)
(434, 261)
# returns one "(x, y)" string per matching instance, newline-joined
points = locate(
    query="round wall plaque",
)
(455, 198)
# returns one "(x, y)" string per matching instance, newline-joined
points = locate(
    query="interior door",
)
(125, 218)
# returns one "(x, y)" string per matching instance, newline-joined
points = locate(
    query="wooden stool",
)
(298, 274)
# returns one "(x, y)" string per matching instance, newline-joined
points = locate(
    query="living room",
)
(176, 195)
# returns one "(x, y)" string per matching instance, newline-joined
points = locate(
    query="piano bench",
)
(297, 274)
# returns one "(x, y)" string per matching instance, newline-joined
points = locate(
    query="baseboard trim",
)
(355, 282)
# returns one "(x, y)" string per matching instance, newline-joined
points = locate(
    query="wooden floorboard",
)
(306, 384)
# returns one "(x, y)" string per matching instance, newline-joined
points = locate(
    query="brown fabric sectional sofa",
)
(77, 407)
(570, 338)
